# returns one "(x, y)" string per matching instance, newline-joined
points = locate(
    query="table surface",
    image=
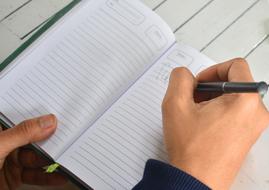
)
(221, 29)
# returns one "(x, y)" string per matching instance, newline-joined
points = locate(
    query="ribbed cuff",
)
(159, 176)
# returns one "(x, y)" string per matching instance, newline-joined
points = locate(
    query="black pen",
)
(234, 87)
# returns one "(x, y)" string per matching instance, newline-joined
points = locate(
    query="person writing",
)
(207, 136)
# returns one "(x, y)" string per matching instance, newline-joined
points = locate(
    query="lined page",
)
(82, 65)
(112, 153)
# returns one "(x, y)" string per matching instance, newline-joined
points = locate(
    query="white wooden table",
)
(222, 29)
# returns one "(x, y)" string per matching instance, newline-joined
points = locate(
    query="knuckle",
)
(172, 105)
(39, 121)
(25, 128)
(167, 104)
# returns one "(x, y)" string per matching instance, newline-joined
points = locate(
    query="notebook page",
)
(112, 153)
(82, 65)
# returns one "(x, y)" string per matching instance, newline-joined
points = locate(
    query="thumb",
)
(181, 85)
(28, 131)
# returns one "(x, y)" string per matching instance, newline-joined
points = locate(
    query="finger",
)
(236, 70)
(13, 158)
(30, 159)
(181, 85)
(39, 177)
(205, 96)
(12, 175)
(29, 131)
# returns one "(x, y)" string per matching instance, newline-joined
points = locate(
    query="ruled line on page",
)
(33, 99)
(123, 47)
(110, 160)
(90, 47)
(101, 170)
(114, 167)
(133, 134)
(65, 92)
(122, 148)
(112, 153)
(85, 166)
(115, 19)
(71, 104)
(132, 42)
(116, 54)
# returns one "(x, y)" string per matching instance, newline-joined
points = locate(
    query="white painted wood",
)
(245, 34)
(7, 6)
(254, 172)
(34, 13)
(259, 62)
(152, 3)
(210, 22)
(8, 42)
(176, 12)
(23, 21)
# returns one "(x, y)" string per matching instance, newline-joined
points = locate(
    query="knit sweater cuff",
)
(158, 175)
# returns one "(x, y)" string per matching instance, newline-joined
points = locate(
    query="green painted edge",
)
(37, 34)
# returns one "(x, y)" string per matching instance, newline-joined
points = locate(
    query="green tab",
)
(52, 168)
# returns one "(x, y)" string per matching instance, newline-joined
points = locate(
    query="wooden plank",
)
(240, 38)
(212, 21)
(9, 42)
(258, 61)
(35, 13)
(176, 12)
(254, 171)
(153, 3)
(7, 7)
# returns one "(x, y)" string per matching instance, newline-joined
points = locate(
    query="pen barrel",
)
(241, 87)
(233, 87)
(210, 87)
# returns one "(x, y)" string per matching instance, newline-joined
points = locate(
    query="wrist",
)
(214, 174)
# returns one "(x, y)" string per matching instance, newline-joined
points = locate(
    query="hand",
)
(209, 138)
(19, 166)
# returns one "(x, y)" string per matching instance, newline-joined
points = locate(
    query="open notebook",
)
(102, 70)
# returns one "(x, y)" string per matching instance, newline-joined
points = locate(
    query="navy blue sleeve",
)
(161, 176)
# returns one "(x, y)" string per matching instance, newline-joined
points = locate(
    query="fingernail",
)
(47, 121)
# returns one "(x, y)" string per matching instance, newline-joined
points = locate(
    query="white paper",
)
(112, 153)
(82, 65)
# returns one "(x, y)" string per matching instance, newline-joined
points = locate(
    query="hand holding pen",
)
(220, 84)
(208, 134)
